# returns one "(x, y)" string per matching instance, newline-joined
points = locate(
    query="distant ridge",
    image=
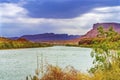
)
(72, 39)
(48, 37)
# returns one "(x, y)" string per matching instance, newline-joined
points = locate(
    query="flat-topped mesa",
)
(93, 32)
(107, 25)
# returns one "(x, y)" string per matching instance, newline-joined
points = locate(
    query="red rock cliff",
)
(93, 32)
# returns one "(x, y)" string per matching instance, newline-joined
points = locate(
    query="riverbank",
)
(22, 45)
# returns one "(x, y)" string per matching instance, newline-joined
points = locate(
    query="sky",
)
(26, 17)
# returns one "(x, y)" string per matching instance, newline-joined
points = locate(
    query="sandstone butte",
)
(93, 32)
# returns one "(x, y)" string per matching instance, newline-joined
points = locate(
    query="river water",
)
(18, 63)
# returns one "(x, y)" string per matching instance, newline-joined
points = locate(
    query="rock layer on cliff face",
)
(93, 32)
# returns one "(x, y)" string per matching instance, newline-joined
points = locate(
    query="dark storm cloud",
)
(64, 8)
(61, 8)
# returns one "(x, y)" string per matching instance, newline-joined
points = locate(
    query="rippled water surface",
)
(17, 64)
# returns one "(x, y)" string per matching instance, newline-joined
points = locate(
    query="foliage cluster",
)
(12, 44)
(106, 62)
(106, 51)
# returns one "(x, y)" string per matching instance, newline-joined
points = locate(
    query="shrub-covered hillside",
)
(6, 43)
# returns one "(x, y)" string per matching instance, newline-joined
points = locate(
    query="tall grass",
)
(69, 73)
(51, 72)
(57, 73)
(106, 56)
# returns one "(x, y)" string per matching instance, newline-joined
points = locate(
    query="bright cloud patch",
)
(11, 12)
(14, 18)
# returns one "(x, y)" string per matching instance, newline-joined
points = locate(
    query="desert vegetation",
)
(6, 43)
(106, 62)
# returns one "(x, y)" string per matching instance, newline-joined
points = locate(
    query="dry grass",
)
(69, 73)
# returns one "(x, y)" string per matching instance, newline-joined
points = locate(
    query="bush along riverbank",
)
(20, 43)
(106, 55)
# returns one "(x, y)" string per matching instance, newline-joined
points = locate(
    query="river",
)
(16, 64)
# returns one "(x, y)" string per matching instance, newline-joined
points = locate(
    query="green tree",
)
(105, 52)
(111, 33)
(101, 32)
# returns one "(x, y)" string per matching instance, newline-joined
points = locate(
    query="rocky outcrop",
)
(93, 32)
